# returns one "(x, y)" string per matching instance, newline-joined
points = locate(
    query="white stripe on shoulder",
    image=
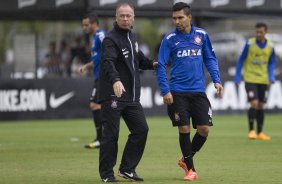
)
(170, 35)
(201, 31)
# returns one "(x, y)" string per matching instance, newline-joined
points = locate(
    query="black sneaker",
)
(109, 179)
(132, 176)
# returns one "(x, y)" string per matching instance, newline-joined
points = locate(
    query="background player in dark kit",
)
(90, 25)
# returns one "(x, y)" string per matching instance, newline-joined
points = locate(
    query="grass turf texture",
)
(51, 152)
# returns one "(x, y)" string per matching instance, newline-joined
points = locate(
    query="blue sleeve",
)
(97, 48)
(271, 67)
(96, 58)
(210, 60)
(239, 66)
(163, 58)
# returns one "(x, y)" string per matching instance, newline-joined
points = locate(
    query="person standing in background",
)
(53, 62)
(90, 25)
(65, 54)
(258, 62)
(80, 54)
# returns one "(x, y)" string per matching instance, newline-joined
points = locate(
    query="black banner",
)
(45, 98)
(69, 98)
(152, 8)
(74, 9)
(42, 9)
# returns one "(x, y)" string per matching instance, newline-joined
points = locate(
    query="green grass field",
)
(51, 152)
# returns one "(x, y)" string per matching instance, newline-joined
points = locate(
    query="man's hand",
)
(82, 70)
(219, 89)
(168, 99)
(118, 88)
(155, 65)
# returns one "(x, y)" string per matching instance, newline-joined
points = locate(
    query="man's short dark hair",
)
(261, 25)
(182, 6)
(124, 4)
(93, 18)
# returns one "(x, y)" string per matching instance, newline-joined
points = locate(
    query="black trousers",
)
(133, 115)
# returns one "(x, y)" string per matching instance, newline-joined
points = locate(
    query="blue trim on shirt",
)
(96, 51)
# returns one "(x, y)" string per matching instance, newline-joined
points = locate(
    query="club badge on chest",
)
(114, 104)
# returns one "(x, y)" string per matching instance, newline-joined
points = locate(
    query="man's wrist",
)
(115, 80)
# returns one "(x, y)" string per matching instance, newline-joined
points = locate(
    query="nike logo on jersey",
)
(56, 102)
(189, 52)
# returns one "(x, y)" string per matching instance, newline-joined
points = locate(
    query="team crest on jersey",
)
(114, 104)
(176, 116)
(198, 40)
(136, 46)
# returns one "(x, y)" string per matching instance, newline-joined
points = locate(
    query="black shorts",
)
(190, 105)
(257, 91)
(95, 92)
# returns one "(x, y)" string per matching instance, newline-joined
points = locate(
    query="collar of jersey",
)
(192, 30)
